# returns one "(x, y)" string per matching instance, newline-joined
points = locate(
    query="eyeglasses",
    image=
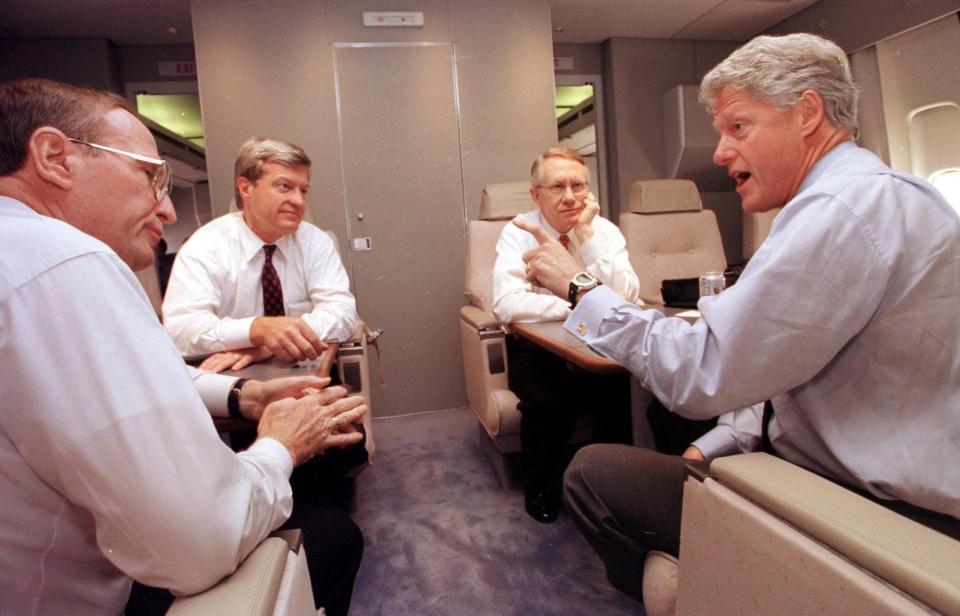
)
(161, 177)
(578, 188)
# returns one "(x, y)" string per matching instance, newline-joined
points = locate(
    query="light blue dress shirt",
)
(848, 318)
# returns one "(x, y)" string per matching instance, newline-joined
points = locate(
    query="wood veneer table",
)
(553, 337)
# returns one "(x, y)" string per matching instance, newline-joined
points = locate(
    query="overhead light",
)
(558, 28)
(172, 30)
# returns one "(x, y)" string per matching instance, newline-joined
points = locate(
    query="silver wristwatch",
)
(583, 281)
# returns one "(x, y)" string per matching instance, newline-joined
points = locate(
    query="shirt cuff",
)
(214, 390)
(719, 441)
(275, 450)
(236, 333)
(585, 320)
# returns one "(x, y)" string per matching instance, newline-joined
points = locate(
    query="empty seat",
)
(669, 234)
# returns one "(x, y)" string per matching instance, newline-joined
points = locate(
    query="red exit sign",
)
(177, 69)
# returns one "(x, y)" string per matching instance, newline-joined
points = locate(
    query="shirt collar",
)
(252, 245)
(820, 167)
(553, 233)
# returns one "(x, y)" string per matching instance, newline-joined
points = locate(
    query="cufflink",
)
(582, 329)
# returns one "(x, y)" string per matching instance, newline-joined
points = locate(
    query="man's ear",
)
(811, 111)
(244, 186)
(47, 156)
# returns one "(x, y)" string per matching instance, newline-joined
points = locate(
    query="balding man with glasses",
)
(551, 393)
(110, 468)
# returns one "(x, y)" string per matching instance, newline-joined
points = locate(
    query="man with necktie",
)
(550, 392)
(260, 282)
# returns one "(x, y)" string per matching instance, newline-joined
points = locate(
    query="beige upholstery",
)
(505, 200)
(669, 235)
(151, 285)
(661, 578)
(482, 339)
(763, 536)
(272, 581)
(756, 227)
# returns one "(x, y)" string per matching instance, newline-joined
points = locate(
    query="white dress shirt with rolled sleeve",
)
(515, 300)
(846, 318)
(110, 467)
(214, 292)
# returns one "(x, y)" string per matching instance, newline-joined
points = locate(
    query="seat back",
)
(669, 234)
(756, 228)
(150, 282)
(499, 203)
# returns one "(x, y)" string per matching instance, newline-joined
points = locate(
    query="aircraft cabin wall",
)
(405, 126)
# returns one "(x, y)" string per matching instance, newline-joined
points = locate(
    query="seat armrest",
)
(478, 319)
(252, 589)
(908, 555)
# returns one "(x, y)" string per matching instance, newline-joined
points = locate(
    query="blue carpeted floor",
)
(443, 538)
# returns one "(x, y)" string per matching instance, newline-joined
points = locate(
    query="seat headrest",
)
(505, 200)
(652, 196)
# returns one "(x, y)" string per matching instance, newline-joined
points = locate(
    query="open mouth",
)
(740, 177)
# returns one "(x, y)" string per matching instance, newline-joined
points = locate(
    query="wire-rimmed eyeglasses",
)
(160, 176)
(578, 188)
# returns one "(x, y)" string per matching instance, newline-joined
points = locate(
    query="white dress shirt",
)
(846, 318)
(110, 467)
(214, 292)
(517, 301)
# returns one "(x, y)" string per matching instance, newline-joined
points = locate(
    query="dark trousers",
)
(551, 394)
(334, 548)
(626, 501)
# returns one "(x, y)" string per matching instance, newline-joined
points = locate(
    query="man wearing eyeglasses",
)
(110, 468)
(550, 394)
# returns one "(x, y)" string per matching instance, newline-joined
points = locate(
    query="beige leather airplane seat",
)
(272, 581)
(756, 228)
(669, 235)
(481, 336)
(763, 536)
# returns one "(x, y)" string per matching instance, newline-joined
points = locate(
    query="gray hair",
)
(258, 151)
(555, 152)
(778, 69)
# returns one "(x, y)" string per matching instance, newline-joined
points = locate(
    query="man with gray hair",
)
(843, 325)
(260, 282)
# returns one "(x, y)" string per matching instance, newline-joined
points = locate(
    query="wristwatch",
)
(583, 281)
(233, 399)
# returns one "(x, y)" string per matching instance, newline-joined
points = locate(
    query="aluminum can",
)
(712, 283)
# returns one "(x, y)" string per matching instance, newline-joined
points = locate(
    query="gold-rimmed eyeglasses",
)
(161, 177)
(578, 188)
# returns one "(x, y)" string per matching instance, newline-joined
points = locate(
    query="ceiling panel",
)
(136, 22)
(740, 20)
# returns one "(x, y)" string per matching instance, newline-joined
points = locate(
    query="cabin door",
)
(403, 193)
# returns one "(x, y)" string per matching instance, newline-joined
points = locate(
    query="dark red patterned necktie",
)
(272, 292)
(564, 240)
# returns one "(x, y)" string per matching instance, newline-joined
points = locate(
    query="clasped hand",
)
(310, 425)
